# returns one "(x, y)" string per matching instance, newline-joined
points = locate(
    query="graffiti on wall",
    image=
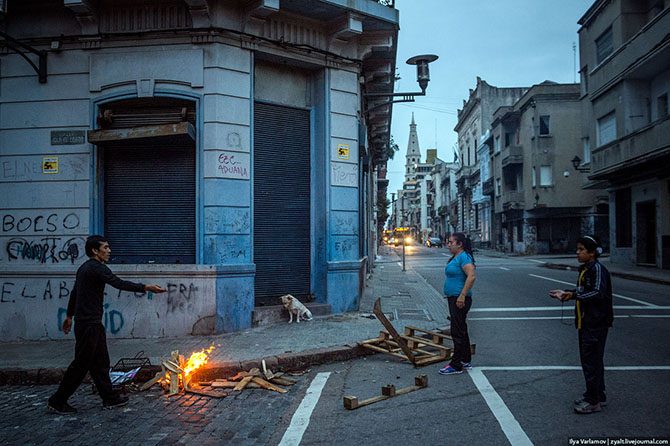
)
(180, 298)
(39, 223)
(344, 174)
(45, 250)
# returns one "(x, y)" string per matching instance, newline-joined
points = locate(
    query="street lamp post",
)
(402, 213)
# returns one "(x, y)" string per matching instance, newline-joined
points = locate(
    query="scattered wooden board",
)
(388, 391)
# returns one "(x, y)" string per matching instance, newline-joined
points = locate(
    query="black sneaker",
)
(116, 401)
(63, 408)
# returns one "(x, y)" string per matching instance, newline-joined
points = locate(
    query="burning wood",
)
(177, 373)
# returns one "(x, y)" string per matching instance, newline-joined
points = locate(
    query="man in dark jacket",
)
(86, 305)
(593, 318)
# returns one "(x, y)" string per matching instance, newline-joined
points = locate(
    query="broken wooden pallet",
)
(416, 345)
(388, 391)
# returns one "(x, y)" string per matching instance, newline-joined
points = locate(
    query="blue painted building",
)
(222, 147)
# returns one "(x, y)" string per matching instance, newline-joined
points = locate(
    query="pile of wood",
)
(174, 380)
(253, 379)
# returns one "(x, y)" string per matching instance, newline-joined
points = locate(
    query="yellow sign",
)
(343, 151)
(50, 164)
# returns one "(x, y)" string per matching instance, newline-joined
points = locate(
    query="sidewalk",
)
(406, 297)
(569, 261)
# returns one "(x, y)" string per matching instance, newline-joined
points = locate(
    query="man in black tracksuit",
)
(593, 318)
(86, 305)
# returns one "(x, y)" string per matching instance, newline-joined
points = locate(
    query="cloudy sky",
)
(511, 43)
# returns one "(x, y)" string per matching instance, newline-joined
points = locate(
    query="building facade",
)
(625, 79)
(221, 147)
(474, 120)
(540, 205)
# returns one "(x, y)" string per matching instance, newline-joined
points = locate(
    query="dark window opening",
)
(624, 219)
(544, 125)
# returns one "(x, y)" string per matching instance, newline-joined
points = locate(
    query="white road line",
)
(613, 294)
(300, 420)
(506, 269)
(558, 308)
(568, 317)
(536, 261)
(512, 429)
(621, 368)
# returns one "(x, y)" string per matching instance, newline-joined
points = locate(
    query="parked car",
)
(434, 242)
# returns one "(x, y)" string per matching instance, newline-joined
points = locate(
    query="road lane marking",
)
(567, 317)
(300, 420)
(506, 269)
(511, 428)
(536, 261)
(558, 308)
(613, 294)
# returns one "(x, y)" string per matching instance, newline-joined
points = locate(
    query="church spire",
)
(413, 156)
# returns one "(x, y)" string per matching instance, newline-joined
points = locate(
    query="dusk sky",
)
(514, 43)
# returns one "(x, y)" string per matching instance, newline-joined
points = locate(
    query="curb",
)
(629, 276)
(285, 362)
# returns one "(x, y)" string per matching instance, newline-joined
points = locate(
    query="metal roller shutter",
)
(149, 186)
(281, 202)
(150, 204)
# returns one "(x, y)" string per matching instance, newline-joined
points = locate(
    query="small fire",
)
(197, 360)
(186, 367)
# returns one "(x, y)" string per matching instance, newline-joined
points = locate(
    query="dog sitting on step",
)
(295, 307)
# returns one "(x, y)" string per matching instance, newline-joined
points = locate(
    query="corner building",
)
(221, 147)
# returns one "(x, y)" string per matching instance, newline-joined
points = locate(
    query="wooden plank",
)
(153, 380)
(266, 385)
(388, 391)
(379, 349)
(425, 342)
(206, 393)
(232, 385)
(282, 381)
(242, 384)
(377, 310)
(184, 129)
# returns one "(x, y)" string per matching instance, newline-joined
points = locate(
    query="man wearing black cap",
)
(593, 318)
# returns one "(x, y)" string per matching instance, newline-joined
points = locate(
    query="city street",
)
(520, 392)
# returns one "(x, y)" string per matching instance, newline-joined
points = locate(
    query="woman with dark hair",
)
(460, 276)
(593, 318)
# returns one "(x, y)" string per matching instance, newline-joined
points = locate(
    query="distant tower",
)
(413, 156)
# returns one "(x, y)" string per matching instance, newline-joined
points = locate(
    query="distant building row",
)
(539, 166)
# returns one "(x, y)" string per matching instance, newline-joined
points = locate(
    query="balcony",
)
(622, 155)
(642, 51)
(512, 155)
(512, 199)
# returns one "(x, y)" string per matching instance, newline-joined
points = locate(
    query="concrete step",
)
(275, 314)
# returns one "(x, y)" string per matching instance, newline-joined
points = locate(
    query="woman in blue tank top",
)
(460, 276)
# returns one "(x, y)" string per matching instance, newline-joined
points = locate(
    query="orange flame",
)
(197, 360)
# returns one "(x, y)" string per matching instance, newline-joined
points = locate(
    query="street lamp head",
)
(422, 71)
(576, 161)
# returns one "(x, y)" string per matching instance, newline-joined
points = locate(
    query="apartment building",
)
(625, 81)
(539, 202)
(474, 119)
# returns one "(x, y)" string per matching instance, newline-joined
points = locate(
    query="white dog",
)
(294, 306)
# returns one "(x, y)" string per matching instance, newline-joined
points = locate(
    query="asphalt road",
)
(520, 392)
(526, 370)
